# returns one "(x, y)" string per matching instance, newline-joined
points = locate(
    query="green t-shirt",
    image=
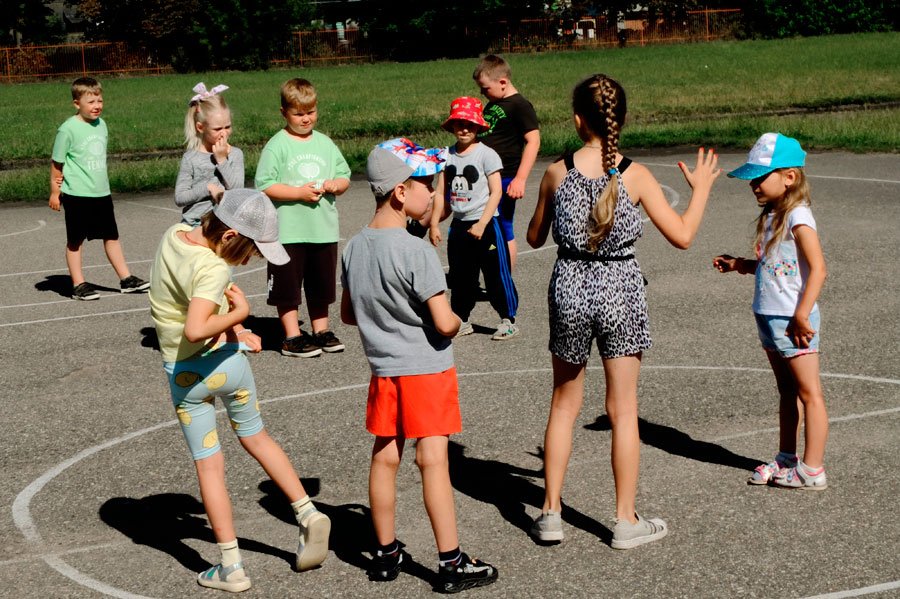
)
(81, 148)
(287, 160)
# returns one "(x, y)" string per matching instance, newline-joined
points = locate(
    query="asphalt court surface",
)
(100, 496)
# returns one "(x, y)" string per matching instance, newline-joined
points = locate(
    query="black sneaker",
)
(301, 346)
(328, 342)
(466, 574)
(85, 291)
(132, 284)
(385, 568)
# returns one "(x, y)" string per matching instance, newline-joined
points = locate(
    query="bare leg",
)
(288, 317)
(513, 252)
(386, 454)
(568, 395)
(211, 474)
(815, 422)
(434, 464)
(73, 263)
(621, 407)
(275, 462)
(116, 257)
(318, 317)
(788, 403)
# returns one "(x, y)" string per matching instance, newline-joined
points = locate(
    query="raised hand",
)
(705, 172)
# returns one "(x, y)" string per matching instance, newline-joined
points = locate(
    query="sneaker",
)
(465, 574)
(505, 330)
(85, 292)
(628, 536)
(132, 284)
(765, 473)
(548, 527)
(328, 342)
(465, 328)
(313, 547)
(799, 477)
(231, 578)
(385, 567)
(301, 346)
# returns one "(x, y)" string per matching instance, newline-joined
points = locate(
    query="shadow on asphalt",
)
(352, 536)
(62, 285)
(675, 442)
(509, 489)
(164, 521)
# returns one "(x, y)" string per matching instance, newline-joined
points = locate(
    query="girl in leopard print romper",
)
(597, 292)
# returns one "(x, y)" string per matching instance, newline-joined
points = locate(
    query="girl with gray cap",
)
(198, 313)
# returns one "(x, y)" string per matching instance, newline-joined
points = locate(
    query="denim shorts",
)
(771, 329)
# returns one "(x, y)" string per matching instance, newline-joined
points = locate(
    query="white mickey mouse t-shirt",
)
(781, 274)
(466, 180)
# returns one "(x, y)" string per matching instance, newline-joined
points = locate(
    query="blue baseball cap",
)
(771, 151)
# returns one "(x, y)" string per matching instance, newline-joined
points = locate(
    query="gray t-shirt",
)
(389, 275)
(197, 170)
(465, 179)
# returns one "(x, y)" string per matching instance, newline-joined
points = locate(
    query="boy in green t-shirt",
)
(302, 170)
(79, 183)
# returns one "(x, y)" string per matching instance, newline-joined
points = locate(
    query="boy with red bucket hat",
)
(472, 188)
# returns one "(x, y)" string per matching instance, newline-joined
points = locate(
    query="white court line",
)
(150, 206)
(41, 225)
(865, 179)
(877, 588)
(41, 272)
(21, 507)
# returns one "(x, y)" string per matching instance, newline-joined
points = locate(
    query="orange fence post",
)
(8, 66)
(83, 63)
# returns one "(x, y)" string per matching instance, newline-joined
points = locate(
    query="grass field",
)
(720, 94)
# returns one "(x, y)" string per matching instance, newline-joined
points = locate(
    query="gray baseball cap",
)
(394, 161)
(251, 213)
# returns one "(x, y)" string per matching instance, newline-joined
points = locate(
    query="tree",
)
(28, 22)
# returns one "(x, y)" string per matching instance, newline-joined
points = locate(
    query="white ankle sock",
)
(303, 507)
(230, 552)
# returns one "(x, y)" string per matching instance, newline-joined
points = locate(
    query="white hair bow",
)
(202, 93)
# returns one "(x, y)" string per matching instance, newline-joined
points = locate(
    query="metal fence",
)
(68, 60)
(351, 45)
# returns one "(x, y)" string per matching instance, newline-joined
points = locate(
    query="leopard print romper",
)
(591, 298)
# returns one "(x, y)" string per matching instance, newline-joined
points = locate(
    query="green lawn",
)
(704, 94)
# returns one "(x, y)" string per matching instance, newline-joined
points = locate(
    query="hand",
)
(54, 202)
(477, 230)
(434, 235)
(251, 340)
(237, 301)
(221, 149)
(725, 263)
(215, 191)
(309, 192)
(329, 186)
(706, 171)
(800, 331)
(516, 189)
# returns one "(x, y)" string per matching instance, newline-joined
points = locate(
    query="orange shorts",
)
(414, 406)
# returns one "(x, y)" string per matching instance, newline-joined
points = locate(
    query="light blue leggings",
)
(225, 373)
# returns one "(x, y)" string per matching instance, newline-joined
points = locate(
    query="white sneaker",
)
(465, 328)
(628, 536)
(548, 527)
(505, 330)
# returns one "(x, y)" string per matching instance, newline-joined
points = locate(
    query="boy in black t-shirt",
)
(513, 134)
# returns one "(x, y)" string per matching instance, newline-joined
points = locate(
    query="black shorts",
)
(312, 265)
(89, 218)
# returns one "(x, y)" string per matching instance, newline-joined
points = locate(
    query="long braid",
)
(606, 98)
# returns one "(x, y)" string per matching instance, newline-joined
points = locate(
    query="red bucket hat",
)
(466, 109)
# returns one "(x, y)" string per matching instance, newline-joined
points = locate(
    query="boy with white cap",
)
(394, 291)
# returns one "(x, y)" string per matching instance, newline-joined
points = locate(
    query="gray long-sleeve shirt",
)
(196, 172)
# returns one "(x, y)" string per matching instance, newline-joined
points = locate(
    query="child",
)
(513, 133)
(394, 292)
(210, 164)
(591, 198)
(302, 171)
(198, 314)
(790, 271)
(78, 173)
(471, 183)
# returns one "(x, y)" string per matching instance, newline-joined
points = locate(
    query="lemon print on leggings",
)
(242, 396)
(186, 378)
(183, 416)
(210, 439)
(214, 381)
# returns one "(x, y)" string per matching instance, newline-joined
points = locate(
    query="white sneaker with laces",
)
(505, 330)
